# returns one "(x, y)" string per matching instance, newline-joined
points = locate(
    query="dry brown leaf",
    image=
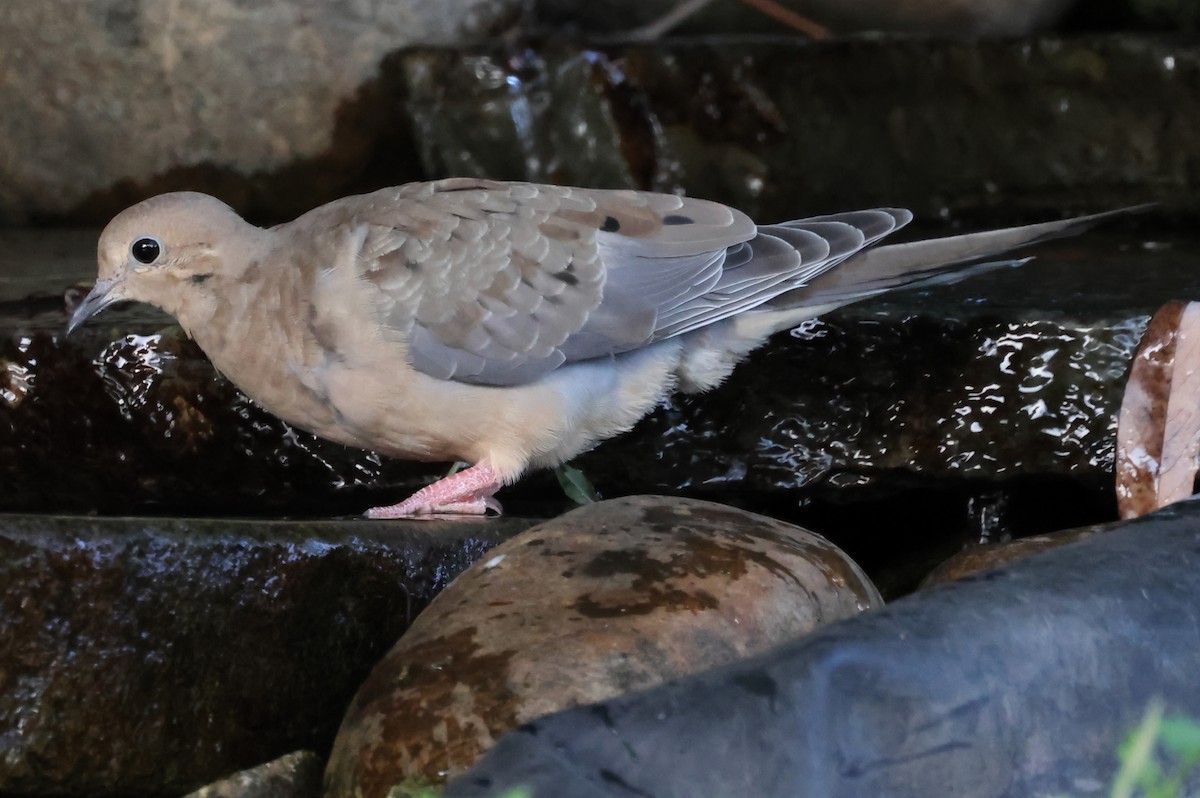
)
(1181, 437)
(1158, 431)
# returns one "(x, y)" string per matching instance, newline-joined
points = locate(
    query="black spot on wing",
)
(566, 277)
(611, 225)
(675, 219)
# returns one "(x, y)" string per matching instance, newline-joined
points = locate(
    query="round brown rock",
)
(612, 597)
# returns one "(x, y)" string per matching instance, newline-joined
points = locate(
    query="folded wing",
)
(500, 283)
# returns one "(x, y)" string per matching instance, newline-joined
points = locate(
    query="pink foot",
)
(469, 492)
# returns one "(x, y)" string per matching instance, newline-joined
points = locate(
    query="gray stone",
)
(100, 93)
(949, 128)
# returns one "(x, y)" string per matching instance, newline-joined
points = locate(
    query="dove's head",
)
(168, 251)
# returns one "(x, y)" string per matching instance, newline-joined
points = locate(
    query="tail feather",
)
(932, 262)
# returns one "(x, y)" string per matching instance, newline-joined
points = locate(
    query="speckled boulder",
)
(610, 598)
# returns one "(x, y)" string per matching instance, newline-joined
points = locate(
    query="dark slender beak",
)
(101, 296)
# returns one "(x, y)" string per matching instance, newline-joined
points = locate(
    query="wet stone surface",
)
(776, 126)
(781, 129)
(128, 417)
(977, 411)
(147, 658)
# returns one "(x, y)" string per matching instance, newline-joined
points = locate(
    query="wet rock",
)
(988, 388)
(986, 557)
(143, 420)
(148, 657)
(127, 416)
(295, 775)
(939, 17)
(1024, 682)
(148, 426)
(972, 397)
(750, 122)
(217, 93)
(951, 412)
(764, 125)
(608, 599)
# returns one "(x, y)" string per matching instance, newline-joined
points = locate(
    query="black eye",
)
(146, 250)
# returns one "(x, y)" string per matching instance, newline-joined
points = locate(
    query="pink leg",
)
(469, 492)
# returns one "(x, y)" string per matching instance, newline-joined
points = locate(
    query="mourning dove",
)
(508, 325)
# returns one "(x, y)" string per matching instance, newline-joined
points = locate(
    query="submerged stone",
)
(608, 599)
(981, 558)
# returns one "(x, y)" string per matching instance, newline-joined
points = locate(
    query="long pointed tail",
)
(930, 262)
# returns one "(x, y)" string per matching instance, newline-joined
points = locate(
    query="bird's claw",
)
(467, 492)
(421, 510)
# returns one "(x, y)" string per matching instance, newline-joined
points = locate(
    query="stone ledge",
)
(780, 128)
(149, 656)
